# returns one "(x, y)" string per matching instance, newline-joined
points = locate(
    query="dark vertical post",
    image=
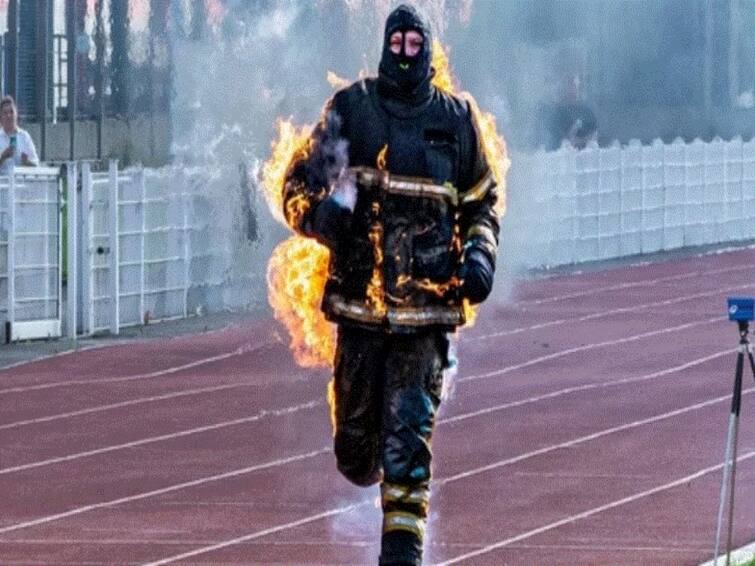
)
(11, 52)
(42, 77)
(99, 79)
(119, 65)
(708, 62)
(71, 75)
(151, 79)
(735, 18)
(198, 19)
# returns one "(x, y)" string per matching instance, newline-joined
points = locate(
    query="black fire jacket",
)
(425, 194)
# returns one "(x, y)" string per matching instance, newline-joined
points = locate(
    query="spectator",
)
(570, 120)
(16, 143)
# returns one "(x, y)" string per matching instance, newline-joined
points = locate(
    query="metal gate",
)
(134, 249)
(30, 244)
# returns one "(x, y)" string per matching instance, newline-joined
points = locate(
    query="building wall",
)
(138, 140)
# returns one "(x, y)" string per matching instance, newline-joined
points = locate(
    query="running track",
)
(586, 426)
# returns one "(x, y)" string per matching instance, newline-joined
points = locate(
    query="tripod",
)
(730, 458)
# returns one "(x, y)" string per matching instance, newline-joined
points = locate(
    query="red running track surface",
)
(586, 426)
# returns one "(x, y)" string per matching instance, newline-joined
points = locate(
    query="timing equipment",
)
(740, 311)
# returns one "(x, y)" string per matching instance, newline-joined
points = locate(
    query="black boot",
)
(400, 548)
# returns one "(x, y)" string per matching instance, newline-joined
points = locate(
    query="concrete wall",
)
(137, 140)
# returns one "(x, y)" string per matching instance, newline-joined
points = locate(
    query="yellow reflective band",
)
(421, 495)
(402, 493)
(419, 316)
(481, 189)
(407, 186)
(426, 316)
(421, 188)
(391, 492)
(483, 231)
(402, 521)
(369, 177)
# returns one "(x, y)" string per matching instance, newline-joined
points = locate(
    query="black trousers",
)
(387, 393)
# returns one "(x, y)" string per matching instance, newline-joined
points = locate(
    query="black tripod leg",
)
(731, 492)
(728, 467)
(734, 457)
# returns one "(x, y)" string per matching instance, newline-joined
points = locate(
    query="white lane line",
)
(162, 491)
(586, 438)
(605, 313)
(590, 512)
(120, 405)
(242, 350)
(316, 403)
(493, 373)
(587, 387)
(259, 534)
(743, 555)
(632, 284)
(591, 346)
(440, 482)
(107, 344)
(583, 547)
(153, 439)
(185, 542)
(249, 348)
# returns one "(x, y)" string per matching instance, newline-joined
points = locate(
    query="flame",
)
(296, 207)
(382, 158)
(292, 142)
(297, 270)
(494, 147)
(470, 313)
(425, 284)
(296, 276)
(376, 287)
(493, 144)
(443, 79)
(439, 289)
(331, 396)
(337, 82)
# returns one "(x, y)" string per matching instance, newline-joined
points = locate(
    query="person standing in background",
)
(16, 143)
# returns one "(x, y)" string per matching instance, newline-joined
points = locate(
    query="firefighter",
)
(396, 185)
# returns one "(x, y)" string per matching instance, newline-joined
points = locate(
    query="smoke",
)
(360, 526)
(671, 68)
(371, 14)
(247, 65)
(451, 370)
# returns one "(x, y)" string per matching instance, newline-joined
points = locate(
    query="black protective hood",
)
(403, 77)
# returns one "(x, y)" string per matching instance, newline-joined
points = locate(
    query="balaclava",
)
(406, 73)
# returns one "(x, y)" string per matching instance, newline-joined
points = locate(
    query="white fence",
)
(136, 253)
(573, 206)
(157, 254)
(30, 253)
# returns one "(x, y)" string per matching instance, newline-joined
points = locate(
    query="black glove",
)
(476, 273)
(330, 222)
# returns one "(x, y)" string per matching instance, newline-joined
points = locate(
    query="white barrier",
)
(30, 253)
(4, 245)
(136, 251)
(570, 206)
